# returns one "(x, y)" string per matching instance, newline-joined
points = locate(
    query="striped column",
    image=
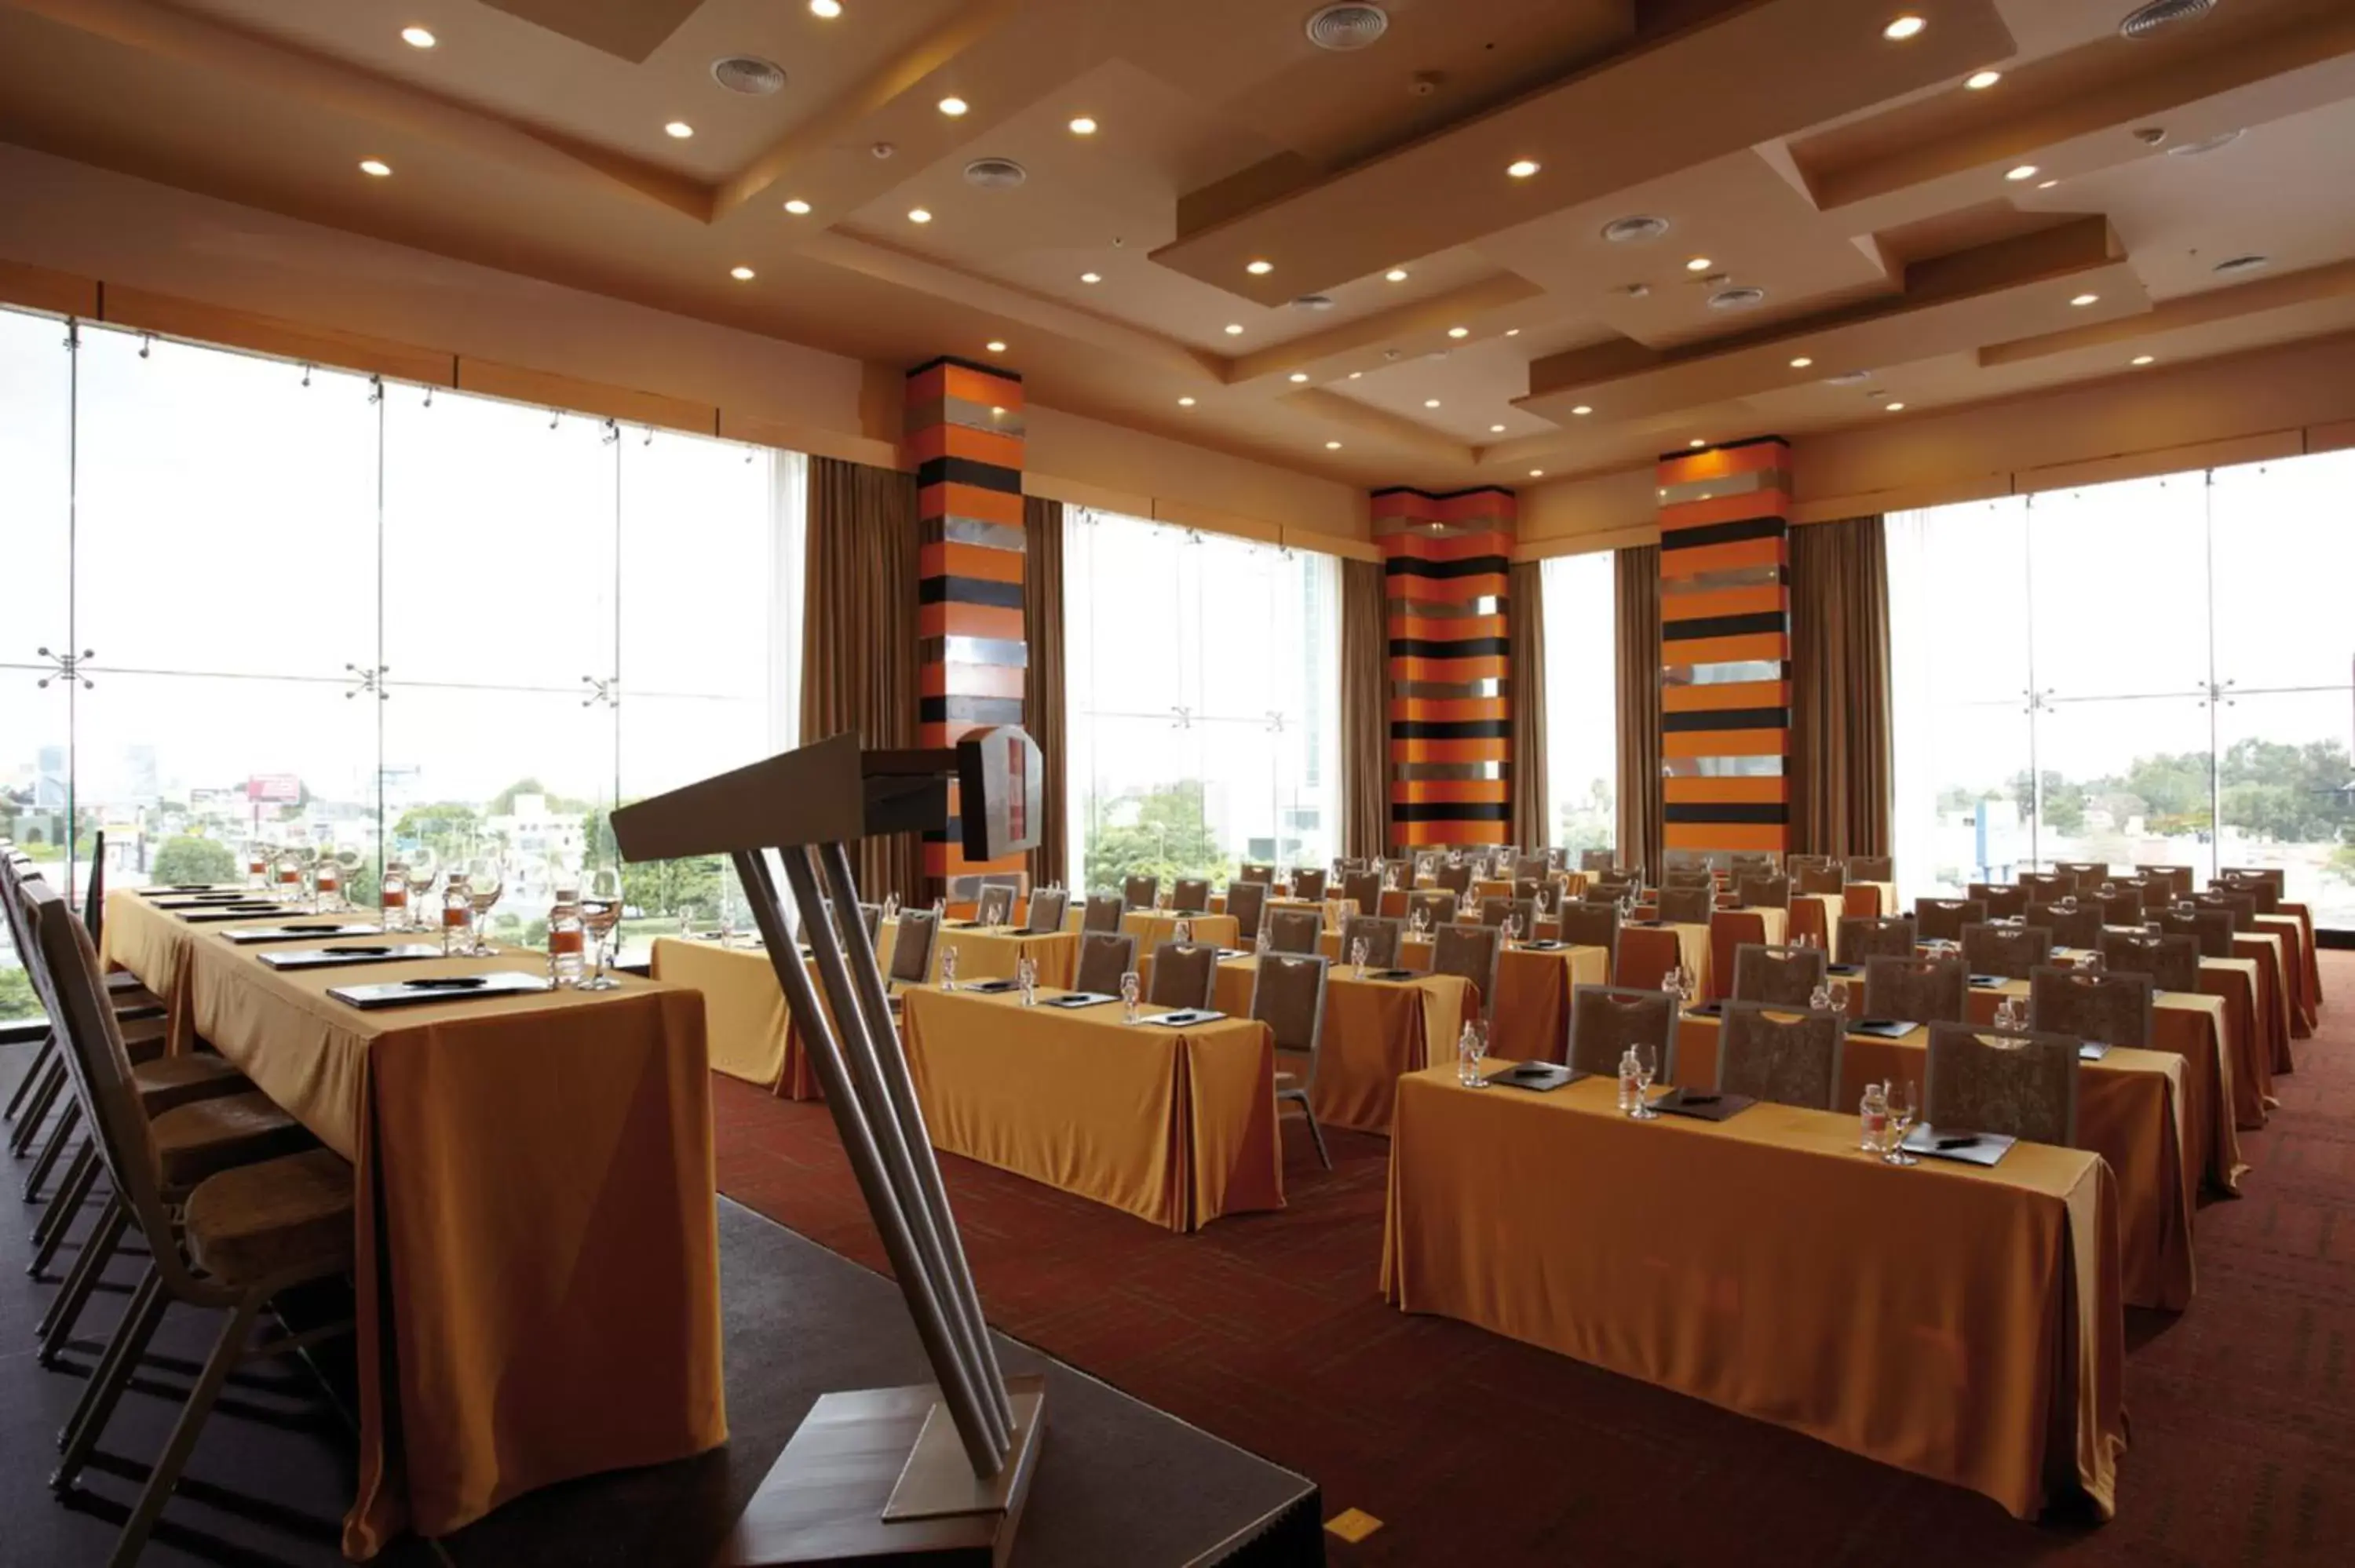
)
(965, 440)
(1445, 559)
(1725, 648)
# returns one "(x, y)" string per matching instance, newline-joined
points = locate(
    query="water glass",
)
(1647, 1067)
(1902, 1111)
(1132, 989)
(1026, 974)
(1182, 931)
(1838, 992)
(1469, 1048)
(948, 967)
(1358, 956)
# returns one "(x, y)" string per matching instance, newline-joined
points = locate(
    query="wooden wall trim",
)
(1588, 544)
(1911, 498)
(41, 288)
(2337, 436)
(1078, 493)
(168, 315)
(1322, 544)
(1209, 522)
(547, 390)
(2161, 460)
(755, 430)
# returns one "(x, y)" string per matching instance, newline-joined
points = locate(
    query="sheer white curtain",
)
(1582, 714)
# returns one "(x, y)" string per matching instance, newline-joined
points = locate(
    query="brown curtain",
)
(1839, 688)
(1364, 708)
(859, 636)
(1044, 708)
(1525, 670)
(1637, 607)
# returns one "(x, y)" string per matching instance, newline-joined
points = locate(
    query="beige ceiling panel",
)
(2287, 291)
(631, 29)
(42, 288)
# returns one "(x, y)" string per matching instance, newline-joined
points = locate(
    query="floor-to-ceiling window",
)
(1582, 704)
(2155, 671)
(1203, 680)
(256, 601)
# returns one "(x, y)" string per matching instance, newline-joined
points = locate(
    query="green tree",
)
(503, 803)
(448, 828)
(191, 859)
(16, 998)
(2064, 804)
(1161, 832)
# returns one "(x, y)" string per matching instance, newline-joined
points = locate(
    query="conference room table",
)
(2295, 926)
(537, 1275)
(1529, 1017)
(1962, 1323)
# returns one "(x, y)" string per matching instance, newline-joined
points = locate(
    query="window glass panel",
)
(2125, 782)
(2286, 795)
(2119, 588)
(2285, 553)
(697, 527)
(1581, 701)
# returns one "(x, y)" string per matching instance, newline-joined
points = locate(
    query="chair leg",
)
(59, 1217)
(79, 1437)
(228, 1351)
(57, 1323)
(1316, 1133)
(42, 1059)
(53, 1084)
(61, 1139)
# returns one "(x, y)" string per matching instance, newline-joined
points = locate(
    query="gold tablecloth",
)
(2235, 981)
(538, 1270)
(2303, 973)
(1530, 1018)
(2303, 916)
(1960, 1323)
(1152, 928)
(1647, 951)
(1730, 929)
(1817, 915)
(2265, 950)
(1175, 1126)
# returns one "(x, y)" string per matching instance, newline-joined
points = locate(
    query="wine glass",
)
(1647, 1067)
(1131, 990)
(486, 878)
(1901, 1108)
(1358, 956)
(424, 868)
(287, 873)
(1026, 975)
(600, 912)
(348, 870)
(257, 865)
(948, 967)
(1837, 997)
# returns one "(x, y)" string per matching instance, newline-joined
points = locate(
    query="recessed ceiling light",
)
(418, 37)
(1430, 402)
(1695, 442)
(918, 214)
(1699, 264)
(2142, 359)
(1298, 376)
(1891, 407)
(2085, 299)
(1185, 402)
(2046, 185)
(376, 167)
(1259, 269)
(1234, 329)
(798, 207)
(1522, 168)
(742, 274)
(1581, 410)
(1395, 275)
(995, 346)
(953, 107)
(1355, 374)
(1091, 277)
(1459, 331)
(1332, 446)
(679, 128)
(1801, 363)
(1980, 80)
(827, 8)
(1902, 28)
(1512, 331)
(1496, 429)
(2020, 171)
(1537, 473)
(1084, 126)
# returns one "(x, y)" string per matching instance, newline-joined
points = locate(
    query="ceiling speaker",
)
(1351, 25)
(1736, 299)
(2145, 21)
(994, 174)
(1634, 230)
(748, 74)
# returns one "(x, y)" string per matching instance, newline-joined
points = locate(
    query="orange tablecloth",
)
(2235, 980)
(1175, 1126)
(1961, 1323)
(2131, 1110)
(2304, 975)
(2303, 916)
(1647, 951)
(1816, 915)
(1151, 928)
(1870, 898)
(1530, 1018)
(1728, 930)
(538, 1271)
(2274, 1006)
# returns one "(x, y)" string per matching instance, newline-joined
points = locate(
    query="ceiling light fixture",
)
(679, 130)
(1696, 442)
(1234, 329)
(2142, 359)
(830, 9)
(1512, 331)
(1332, 446)
(742, 274)
(2020, 171)
(2145, 21)
(798, 207)
(1083, 126)
(1259, 269)
(1537, 473)
(1980, 80)
(1801, 363)
(1496, 429)
(1185, 402)
(1395, 275)
(1430, 402)
(2046, 185)
(1891, 407)
(1699, 264)
(418, 37)
(2205, 144)
(376, 167)
(918, 214)
(953, 106)
(1298, 376)
(2084, 300)
(1355, 374)
(1091, 277)
(1902, 28)
(1581, 410)
(1459, 331)
(995, 346)
(1521, 169)
(2234, 266)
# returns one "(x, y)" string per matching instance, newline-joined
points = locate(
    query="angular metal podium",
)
(937, 1472)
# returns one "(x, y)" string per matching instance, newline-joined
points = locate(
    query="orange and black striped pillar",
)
(1725, 648)
(1444, 563)
(965, 439)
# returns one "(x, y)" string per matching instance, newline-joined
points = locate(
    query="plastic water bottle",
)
(1467, 1058)
(568, 939)
(1872, 1117)
(1631, 1073)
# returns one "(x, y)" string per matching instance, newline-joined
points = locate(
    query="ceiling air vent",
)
(1849, 378)
(2239, 264)
(1634, 230)
(1736, 299)
(749, 74)
(2205, 144)
(1313, 302)
(1350, 25)
(2145, 21)
(994, 174)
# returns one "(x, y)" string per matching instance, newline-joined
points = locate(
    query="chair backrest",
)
(1456, 879)
(1822, 879)
(1608, 890)
(2172, 962)
(1139, 892)
(1247, 902)
(1364, 888)
(93, 896)
(2178, 876)
(2211, 928)
(870, 915)
(2123, 908)
(2002, 898)
(1437, 903)
(1493, 912)
(1531, 868)
(1309, 883)
(1688, 876)
(1288, 996)
(1294, 930)
(1185, 974)
(1871, 868)
(1595, 860)
(1605, 1019)
(2011, 952)
(1105, 957)
(2023, 1085)
(2047, 887)
(1764, 892)
(994, 907)
(1763, 863)
(2114, 1008)
(2157, 892)
(1190, 895)
(1792, 864)
(1380, 935)
(1048, 908)
(2090, 873)
(1943, 919)
(1592, 925)
(1255, 871)
(2263, 891)
(1773, 1053)
(962, 889)
(1785, 976)
(1103, 913)
(1469, 951)
(2242, 907)
(2073, 926)
(911, 948)
(1862, 937)
(2277, 875)
(1923, 990)
(1688, 905)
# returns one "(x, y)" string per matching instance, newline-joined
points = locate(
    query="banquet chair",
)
(1943, 919)
(1427, 864)
(1470, 951)
(1787, 976)
(2157, 892)
(1764, 892)
(1687, 905)
(2072, 925)
(2172, 962)
(1495, 912)
(1247, 902)
(1771, 1053)
(1380, 935)
(2121, 908)
(2114, 1008)
(2242, 907)
(1288, 996)
(2021, 1086)
(1795, 864)
(962, 889)
(1752, 863)
(2046, 887)
(1456, 879)
(2089, 873)
(912, 949)
(1923, 990)
(1531, 868)
(1592, 861)
(243, 1237)
(1688, 876)
(1611, 889)
(2211, 929)
(93, 896)
(1139, 892)
(2263, 891)
(1185, 974)
(1191, 896)
(870, 916)
(1592, 925)
(994, 907)
(1103, 913)
(1529, 888)
(2003, 899)
(1048, 908)
(1294, 930)
(1438, 905)
(1822, 880)
(2273, 874)
(1605, 1019)
(2010, 951)
(1364, 888)
(1863, 937)
(2176, 876)
(1105, 957)
(1871, 868)
(1308, 883)
(1255, 871)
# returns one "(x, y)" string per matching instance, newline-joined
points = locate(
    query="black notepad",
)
(1389, 974)
(1959, 1143)
(339, 956)
(1537, 1077)
(1986, 980)
(1884, 1028)
(1702, 1105)
(1186, 1015)
(212, 914)
(310, 930)
(449, 988)
(1079, 998)
(991, 986)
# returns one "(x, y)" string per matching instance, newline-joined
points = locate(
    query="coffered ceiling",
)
(1388, 264)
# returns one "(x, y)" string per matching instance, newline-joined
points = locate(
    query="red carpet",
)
(1268, 1331)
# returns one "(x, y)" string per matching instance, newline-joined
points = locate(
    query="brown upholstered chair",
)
(2114, 1008)
(2011, 952)
(2022, 1086)
(1608, 890)
(1592, 925)
(1785, 976)
(1102, 913)
(1605, 1019)
(1048, 908)
(1531, 868)
(1139, 892)
(1594, 860)
(1438, 905)
(2157, 892)
(1364, 888)
(1288, 996)
(2047, 887)
(1764, 892)
(1871, 868)
(1774, 1054)
(1923, 990)
(994, 907)
(1752, 864)
(1255, 871)
(2090, 874)
(1379, 933)
(2263, 890)
(1862, 937)
(1493, 912)
(911, 948)
(1191, 896)
(1688, 905)
(2072, 925)
(2003, 899)
(1105, 957)
(1456, 879)
(1294, 930)
(1792, 864)
(1185, 974)
(2211, 929)
(1943, 919)
(1470, 951)
(1688, 876)
(2243, 906)
(2275, 876)
(1247, 902)
(1822, 879)
(2176, 876)
(1309, 883)
(2172, 962)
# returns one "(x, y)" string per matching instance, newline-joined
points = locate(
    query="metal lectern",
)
(935, 1473)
